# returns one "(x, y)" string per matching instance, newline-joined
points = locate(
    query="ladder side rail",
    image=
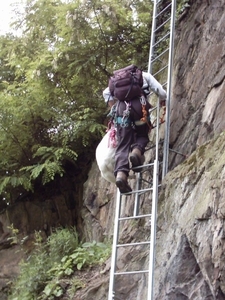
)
(137, 195)
(157, 138)
(114, 247)
(152, 42)
(153, 234)
(154, 212)
(169, 88)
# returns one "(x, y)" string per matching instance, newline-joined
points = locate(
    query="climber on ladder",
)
(131, 118)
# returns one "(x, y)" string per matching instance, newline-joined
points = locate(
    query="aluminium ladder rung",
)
(131, 272)
(162, 11)
(157, 58)
(162, 69)
(167, 20)
(143, 166)
(133, 244)
(138, 191)
(162, 39)
(134, 217)
(164, 84)
(161, 54)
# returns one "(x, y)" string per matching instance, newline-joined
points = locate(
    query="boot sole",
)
(123, 186)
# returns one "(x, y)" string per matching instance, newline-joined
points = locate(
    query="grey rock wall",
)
(197, 105)
(190, 261)
(190, 236)
(190, 245)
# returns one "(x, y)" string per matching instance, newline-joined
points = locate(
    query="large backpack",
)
(126, 84)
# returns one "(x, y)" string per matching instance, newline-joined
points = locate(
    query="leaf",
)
(79, 266)
(68, 271)
(58, 292)
(47, 290)
(64, 258)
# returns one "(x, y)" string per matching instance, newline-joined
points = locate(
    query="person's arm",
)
(156, 87)
(108, 97)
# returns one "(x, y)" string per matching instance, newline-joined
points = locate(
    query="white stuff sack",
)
(105, 155)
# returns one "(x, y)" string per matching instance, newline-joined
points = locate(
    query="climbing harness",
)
(125, 121)
(126, 112)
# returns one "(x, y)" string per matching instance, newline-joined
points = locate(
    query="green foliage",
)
(50, 163)
(14, 234)
(62, 242)
(52, 290)
(181, 6)
(59, 257)
(75, 284)
(51, 82)
(86, 255)
(14, 181)
(32, 278)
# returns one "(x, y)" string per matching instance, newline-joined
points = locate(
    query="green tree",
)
(51, 82)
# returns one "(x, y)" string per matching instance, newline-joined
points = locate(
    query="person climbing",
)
(132, 123)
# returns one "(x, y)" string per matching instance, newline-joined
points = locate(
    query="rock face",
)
(190, 262)
(198, 104)
(190, 245)
(190, 237)
(27, 217)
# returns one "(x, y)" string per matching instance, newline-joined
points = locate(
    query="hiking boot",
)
(122, 184)
(136, 159)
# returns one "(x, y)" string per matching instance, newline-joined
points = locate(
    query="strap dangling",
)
(112, 138)
(145, 113)
(126, 112)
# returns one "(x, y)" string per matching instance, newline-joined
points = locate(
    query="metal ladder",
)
(160, 65)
